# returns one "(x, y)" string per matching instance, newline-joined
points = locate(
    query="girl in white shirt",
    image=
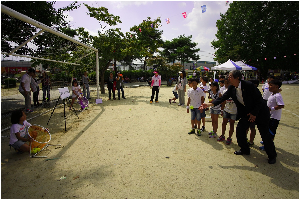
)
(214, 110)
(76, 89)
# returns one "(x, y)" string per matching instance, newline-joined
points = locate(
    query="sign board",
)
(64, 92)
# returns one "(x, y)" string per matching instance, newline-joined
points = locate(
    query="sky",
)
(202, 26)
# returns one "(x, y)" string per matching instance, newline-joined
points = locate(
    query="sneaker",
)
(199, 132)
(203, 128)
(179, 104)
(221, 138)
(151, 101)
(170, 101)
(192, 132)
(250, 143)
(156, 101)
(228, 141)
(213, 135)
(262, 148)
(210, 133)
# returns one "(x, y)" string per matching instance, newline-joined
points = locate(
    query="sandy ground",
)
(136, 150)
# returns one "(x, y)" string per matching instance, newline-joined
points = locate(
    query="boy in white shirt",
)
(275, 104)
(204, 87)
(174, 90)
(265, 88)
(195, 99)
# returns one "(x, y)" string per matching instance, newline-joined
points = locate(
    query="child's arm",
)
(188, 104)
(22, 138)
(277, 107)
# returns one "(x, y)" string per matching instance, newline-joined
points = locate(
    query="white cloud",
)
(122, 4)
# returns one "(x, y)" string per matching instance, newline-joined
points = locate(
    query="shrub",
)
(10, 82)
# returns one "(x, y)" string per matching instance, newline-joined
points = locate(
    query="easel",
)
(64, 94)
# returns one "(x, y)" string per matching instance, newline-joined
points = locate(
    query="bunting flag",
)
(140, 29)
(203, 8)
(227, 2)
(168, 20)
(151, 25)
(184, 14)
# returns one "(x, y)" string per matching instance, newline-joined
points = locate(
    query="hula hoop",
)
(39, 134)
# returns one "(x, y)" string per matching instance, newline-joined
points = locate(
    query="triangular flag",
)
(184, 14)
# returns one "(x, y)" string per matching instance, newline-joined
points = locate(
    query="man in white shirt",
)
(24, 88)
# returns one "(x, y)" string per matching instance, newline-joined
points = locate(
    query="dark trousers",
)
(263, 127)
(46, 89)
(273, 127)
(155, 90)
(110, 90)
(121, 88)
(36, 98)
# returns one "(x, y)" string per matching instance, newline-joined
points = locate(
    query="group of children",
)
(197, 95)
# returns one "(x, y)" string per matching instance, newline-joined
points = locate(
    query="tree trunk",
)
(115, 66)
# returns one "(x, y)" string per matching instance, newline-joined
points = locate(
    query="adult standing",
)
(250, 108)
(24, 88)
(46, 85)
(110, 86)
(155, 85)
(120, 85)
(182, 81)
(85, 83)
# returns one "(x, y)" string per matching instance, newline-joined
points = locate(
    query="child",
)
(76, 89)
(195, 99)
(175, 89)
(35, 89)
(275, 104)
(18, 132)
(205, 90)
(214, 110)
(265, 88)
(155, 85)
(229, 113)
(222, 86)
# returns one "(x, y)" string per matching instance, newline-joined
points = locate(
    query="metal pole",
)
(17, 15)
(97, 74)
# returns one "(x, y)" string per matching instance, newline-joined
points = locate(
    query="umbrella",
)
(202, 68)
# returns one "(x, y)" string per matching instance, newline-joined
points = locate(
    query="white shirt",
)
(230, 106)
(18, 128)
(195, 96)
(76, 89)
(204, 89)
(175, 89)
(157, 80)
(275, 100)
(239, 94)
(26, 79)
(266, 93)
(222, 89)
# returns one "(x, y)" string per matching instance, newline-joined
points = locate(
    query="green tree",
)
(147, 38)
(181, 48)
(258, 31)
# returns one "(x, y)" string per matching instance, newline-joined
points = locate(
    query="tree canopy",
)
(181, 48)
(263, 34)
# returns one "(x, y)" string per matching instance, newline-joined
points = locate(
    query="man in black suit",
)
(251, 108)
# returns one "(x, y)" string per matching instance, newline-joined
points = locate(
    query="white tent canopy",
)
(227, 66)
(243, 65)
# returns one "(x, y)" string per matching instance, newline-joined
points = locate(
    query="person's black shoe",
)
(123, 97)
(241, 153)
(118, 98)
(272, 161)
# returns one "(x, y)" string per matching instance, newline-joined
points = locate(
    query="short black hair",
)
(15, 116)
(74, 81)
(221, 81)
(215, 83)
(204, 78)
(194, 79)
(236, 74)
(276, 82)
(31, 70)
